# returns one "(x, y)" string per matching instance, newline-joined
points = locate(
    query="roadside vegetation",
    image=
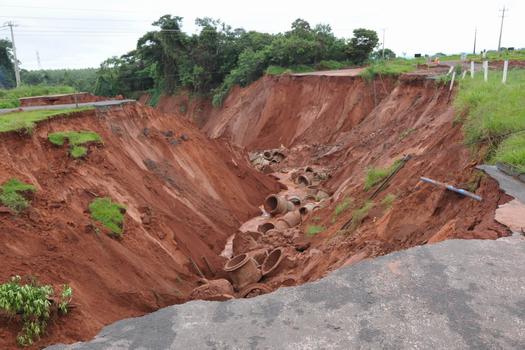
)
(494, 114)
(389, 68)
(14, 193)
(9, 97)
(32, 303)
(109, 214)
(77, 141)
(25, 121)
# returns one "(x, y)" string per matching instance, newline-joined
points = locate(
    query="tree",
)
(362, 45)
(7, 69)
(378, 54)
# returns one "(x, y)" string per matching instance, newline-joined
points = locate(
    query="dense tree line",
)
(80, 79)
(218, 57)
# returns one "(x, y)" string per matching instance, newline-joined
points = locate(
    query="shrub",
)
(341, 207)
(312, 230)
(11, 194)
(358, 215)
(109, 214)
(32, 302)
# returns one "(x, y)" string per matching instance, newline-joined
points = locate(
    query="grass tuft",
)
(376, 175)
(388, 68)
(312, 230)
(388, 200)
(75, 139)
(360, 214)
(11, 194)
(109, 214)
(343, 206)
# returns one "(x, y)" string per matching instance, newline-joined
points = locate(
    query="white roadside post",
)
(505, 69)
(452, 81)
(486, 70)
(464, 74)
(472, 69)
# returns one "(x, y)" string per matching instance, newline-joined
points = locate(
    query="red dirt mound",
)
(184, 196)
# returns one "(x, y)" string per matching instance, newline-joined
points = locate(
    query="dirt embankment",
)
(341, 125)
(184, 196)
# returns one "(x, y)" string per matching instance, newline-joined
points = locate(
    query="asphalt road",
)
(453, 295)
(67, 106)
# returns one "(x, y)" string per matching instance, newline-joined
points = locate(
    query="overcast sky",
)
(78, 34)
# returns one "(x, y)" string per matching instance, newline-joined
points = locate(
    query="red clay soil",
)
(413, 116)
(185, 194)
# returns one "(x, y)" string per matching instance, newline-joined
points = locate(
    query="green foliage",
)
(32, 302)
(79, 79)
(218, 57)
(331, 65)
(11, 194)
(312, 230)
(78, 151)
(75, 139)
(388, 68)
(7, 69)
(376, 175)
(362, 45)
(360, 214)
(388, 200)
(25, 121)
(343, 206)
(494, 112)
(109, 214)
(378, 54)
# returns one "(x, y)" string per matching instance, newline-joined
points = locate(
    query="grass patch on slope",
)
(376, 175)
(25, 121)
(495, 113)
(12, 194)
(9, 97)
(312, 230)
(389, 68)
(76, 139)
(360, 214)
(109, 214)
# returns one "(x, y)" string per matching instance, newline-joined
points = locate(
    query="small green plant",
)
(341, 207)
(312, 230)
(360, 214)
(376, 175)
(388, 200)
(75, 139)
(12, 194)
(406, 133)
(33, 303)
(109, 214)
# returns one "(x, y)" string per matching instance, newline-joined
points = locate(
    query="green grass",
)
(25, 121)
(376, 175)
(343, 206)
(75, 139)
(278, 70)
(11, 194)
(78, 151)
(360, 214)
(9, 98)
(312, 230)
(388, 200)
(388, 68)
(495, 114)
(109, 214)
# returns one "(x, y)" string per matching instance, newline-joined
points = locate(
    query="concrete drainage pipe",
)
(243, 270)
(308, 208)
(272, 262)
(305, 179)
(254, 290)
(277, 205)
(263, 228)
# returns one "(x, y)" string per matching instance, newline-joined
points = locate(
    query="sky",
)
(81, 34)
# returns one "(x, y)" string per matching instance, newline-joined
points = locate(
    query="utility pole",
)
(501, 27)
(38, 60)
(17, 71)
(475, 37)
(384, 43)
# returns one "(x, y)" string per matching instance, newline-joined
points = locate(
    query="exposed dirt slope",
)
(336, 123)
(184, 196)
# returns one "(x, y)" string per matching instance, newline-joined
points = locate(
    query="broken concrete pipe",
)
(272, 262)
(277, 205)
(291, 219)
(243, 270)
(295, 200)
(243, 242)
(267, 155)
(254, 290)
(322, 195)
(308, 208)
(305, 179)
(213, 290)
(258, 255)
(263, 228)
